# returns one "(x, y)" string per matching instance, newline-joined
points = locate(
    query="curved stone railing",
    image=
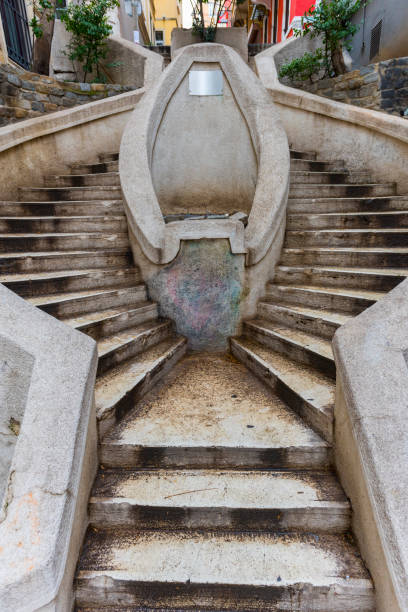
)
(371, 350)
(49, 144)
(47, 376)
(160, 243)
(371, 434)
(368, 139)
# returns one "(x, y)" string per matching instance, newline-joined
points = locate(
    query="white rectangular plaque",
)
(205, 83)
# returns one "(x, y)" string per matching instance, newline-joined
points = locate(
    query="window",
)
(375, 39)
(287, 15)
(159, 37)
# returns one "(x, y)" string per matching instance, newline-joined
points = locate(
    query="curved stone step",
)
(125, 344)
(212, 413)
(307, 177)
(306, 390)
(214, 499)
(343, 237)
(317, 166)
(48, 283)
(347, 256)
(61, 242)
(303, 190)
(306, 348)
(342, 299)
(373, 279)
(95, 168)
(65, 224)
(104, 323)
(347, 204)
(310, 155)
(311, 320)
(66, 304)
(54, 194)
(108, 157)
(350, 220)
(83, 208)
(83, 180)
(34, 262)
(118, 391)
(223, 570)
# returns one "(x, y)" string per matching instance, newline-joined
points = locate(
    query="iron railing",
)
(17, 31)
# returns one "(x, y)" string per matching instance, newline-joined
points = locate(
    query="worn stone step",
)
(345, 221)
(294, 154)
(123, 345)
(351, 256)
(18, 263)
(47, 283)
(374, 279)
(118, 391)
(64, 224)
(66, 304)
(342, 299)
(347, 204)
(55, 194)
(307, 177)
(309, 349)
(303, 190)
(304, 389)
(342, 237)
(258, 571)
(95, 168)
(18, 243)
(211, 413)
(214, 499)
(84, 208)
(108, 157)
(83, 180)
(104, 323)
(314, 165)
(311, 320)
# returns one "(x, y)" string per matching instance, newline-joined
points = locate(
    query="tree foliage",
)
(332, 21)
(207, 33)
(88, 24)
(303, 68)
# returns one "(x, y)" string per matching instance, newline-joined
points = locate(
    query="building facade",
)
(167, 17)
(383, 32)
(272, 21)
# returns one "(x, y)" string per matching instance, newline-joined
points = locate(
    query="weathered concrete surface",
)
(371, 439)
(237, 38)
(369, 140)
(50, 144)
(203, 172)
(44, 507)
(266, 218)
(201, 291)
(135, 66)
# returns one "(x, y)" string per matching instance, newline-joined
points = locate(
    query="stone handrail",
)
(49, 405)
(371, 434)
(159, 242)
(368, 139)
(370, 350)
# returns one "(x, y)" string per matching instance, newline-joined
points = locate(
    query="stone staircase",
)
(64, 247)
(216, 492)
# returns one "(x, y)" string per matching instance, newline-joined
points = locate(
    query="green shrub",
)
(303, 68)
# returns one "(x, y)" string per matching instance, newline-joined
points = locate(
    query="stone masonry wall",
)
(382, 86)
(24, 95)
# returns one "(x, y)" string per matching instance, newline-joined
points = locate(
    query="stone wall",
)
(382, 86)
(24, 95)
